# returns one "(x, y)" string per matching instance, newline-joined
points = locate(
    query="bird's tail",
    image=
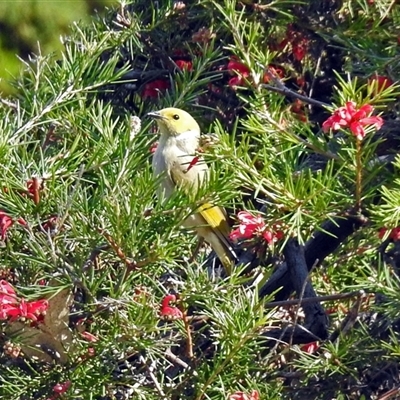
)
(216, 232)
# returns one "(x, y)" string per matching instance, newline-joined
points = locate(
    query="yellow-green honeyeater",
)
(177, 164)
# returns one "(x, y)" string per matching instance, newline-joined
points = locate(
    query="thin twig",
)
(359, 170)
(176, 360)
(350, 319)
(153, 378)
(306, 300)
(36, 186)
(94, 254)
(189, 345)
(391, 394)
(288, 92)
(115, 247)
(279, 128)
(7, 103)
(279, 87)
(196, 250)
(49, 136)
(317, 68)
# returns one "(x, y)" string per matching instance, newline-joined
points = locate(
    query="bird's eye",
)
(175, 117)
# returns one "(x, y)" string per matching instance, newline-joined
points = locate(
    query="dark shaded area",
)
(323, 243)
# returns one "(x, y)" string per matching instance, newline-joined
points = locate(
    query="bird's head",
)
(174, 122)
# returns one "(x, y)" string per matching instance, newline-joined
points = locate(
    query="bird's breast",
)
(179, 167)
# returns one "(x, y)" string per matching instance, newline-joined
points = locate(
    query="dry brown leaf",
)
(52, 339)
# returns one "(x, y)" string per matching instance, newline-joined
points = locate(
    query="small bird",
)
(176, 161)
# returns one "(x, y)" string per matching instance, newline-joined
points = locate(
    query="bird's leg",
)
(200, 242)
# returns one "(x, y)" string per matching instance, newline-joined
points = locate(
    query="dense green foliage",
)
(80, 177)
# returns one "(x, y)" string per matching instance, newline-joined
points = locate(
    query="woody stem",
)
(358, 174)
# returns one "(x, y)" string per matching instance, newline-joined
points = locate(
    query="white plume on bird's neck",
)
(188, 141)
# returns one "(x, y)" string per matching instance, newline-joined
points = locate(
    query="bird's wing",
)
(207, 216)
(215, 217)
(189, 179)
(188, 172)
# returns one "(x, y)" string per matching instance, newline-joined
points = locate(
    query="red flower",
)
(153, 147)
(184, 65)
(35, 185)
(29, 310)
(89, 337)
(331, 310)
(281, 45)
(154, 88)
(298, 42)
(14, 308)
(13, 312)
(300, 48)
(241, 70)
(9, 311)
(251, 226)
(379, 82)
(91, 352)
(50, 224)
(393, 235)
(62, 387)
(35, 308)
(310, 347)
(5, 223)
(298, 108)
(203, 35)
(354, 119)
(276, 71)
(237, 66)
(247, 227)
(168, 311)
(21, 221)
(7, 293)
(8, 299)
(243, 396)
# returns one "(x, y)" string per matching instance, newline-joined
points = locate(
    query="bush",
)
(300, 105)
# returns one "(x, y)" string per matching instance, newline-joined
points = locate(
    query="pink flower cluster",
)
(380, 82)
(244, 396)
(59, 389)
(393, 235)
(251, 227)
(356, 119)
(169, 311)
(6, 222)
(298, 43)
(14, 308)
(153, 89)
(242, 72)
(310, 348)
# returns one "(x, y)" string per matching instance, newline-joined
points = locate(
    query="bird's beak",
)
(155, 115)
